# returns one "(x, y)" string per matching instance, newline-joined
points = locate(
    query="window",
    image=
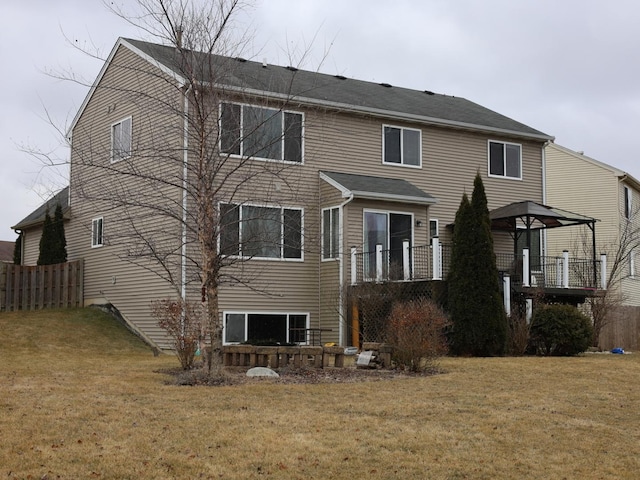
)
(330, 233)
(260, 132)
(121, 140)
(433, 230)
(265, 327)
(389, 230)
(628, 203)
(97, 225)
(260, 232)
(505, 160)
(401, 146)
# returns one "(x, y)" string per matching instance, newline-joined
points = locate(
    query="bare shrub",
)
(183, 323)
(416, 331)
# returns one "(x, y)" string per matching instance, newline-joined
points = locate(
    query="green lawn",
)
(80, 397)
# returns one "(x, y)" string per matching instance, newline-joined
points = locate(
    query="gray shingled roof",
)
(37, 216)
(330, 90)
(378, 188)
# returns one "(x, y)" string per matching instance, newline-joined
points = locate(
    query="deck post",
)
(406, 266)
(603, 271)
(506, 291)
(529, 310)
(565, 269)
(378, 262)
(436, 259)
(354, 266)
(526, 275)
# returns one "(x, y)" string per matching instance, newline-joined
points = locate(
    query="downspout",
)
(185, 172)
(341, 268)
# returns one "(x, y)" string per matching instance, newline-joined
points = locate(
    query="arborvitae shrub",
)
(560, 330)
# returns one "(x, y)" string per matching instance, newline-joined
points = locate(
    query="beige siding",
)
(97, 187)
(31, 245)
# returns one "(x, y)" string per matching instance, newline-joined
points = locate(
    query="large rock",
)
(261, 372)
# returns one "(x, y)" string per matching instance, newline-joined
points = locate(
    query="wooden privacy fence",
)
(43, 286)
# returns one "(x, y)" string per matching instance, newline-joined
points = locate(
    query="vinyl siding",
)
(31, 245)
(110, 274)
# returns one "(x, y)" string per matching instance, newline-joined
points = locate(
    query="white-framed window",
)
(259, 327)
(97, 232)
(505, 159)
(330, 233)
(259, 132)
(257, 231)
(434, 229)
(401, 146)
(121, 139)
(628, 203)
(389, 230)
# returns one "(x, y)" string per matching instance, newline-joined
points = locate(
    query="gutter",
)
(341, 270)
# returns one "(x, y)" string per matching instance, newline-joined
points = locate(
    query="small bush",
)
(416, 331)
(560, 330)
(182, 322)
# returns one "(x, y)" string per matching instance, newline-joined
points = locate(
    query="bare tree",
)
(182, 187)
(619, 251)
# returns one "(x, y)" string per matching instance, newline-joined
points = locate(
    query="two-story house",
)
(577, 182)
(347, 179)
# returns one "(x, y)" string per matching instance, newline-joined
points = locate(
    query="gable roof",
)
(36, 217)
(377, 188)
(328, 91)
(620, 174)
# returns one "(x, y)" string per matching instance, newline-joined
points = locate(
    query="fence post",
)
(378, 262)
(506, 291)
(603, 271)
(565, 269)
(526, 275)
(406, 266)
(354, 266)
(436, 259)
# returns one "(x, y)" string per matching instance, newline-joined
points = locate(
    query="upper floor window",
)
(433, 229)
(330, 233)
(97, 225)
(628, 203)
(260, 232)
(260, 132)
(505, 160)
(402, 146)
(121, 140)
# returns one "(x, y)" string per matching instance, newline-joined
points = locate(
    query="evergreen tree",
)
(44, 257)
(475, 303)
(17, 250)
(58, 240)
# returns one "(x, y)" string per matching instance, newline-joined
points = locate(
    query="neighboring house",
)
(577, 182)
(361, 164)
(6, 251)
(31, 225)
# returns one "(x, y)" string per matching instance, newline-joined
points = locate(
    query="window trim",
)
(402, 163)
(113, 125)
(94, 226)
(437, 222)
(281, 111)
(246, 314)
(281, 258)
(628, 203)
(504, 144)
(333, 255)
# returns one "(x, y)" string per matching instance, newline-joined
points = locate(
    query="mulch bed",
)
(289, 375)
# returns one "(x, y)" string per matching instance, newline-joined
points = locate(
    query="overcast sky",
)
(569, 68)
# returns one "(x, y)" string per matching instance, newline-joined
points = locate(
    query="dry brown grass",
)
(79, 399)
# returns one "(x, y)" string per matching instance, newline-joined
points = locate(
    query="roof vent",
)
(429, 92)
(264, 63)
(240, 59)
(293, 69)
(340, 77)
(580, 152)
(387, 85)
